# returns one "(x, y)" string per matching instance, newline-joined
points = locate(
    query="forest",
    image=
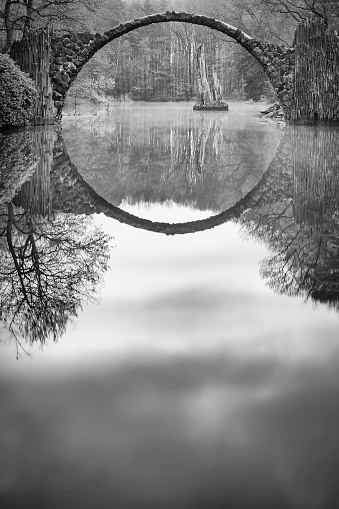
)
(158, 62)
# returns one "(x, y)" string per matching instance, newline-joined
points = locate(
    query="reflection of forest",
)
(19, 158)
(52, 258)
(51, 263)
(300, 222)
(208, 160)
(316, 184)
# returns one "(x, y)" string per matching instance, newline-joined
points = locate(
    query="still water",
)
(187, 265)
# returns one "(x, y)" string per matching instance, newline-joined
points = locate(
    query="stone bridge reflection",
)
(303, 174)
(293, 210)
(63, 189)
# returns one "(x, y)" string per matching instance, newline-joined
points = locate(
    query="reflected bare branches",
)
(299, 221)
(49, 269)
(53, 257)
(307, 264)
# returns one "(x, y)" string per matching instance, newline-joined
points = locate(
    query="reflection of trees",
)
(300, 224)
(316, 182)
(207, 160)
(296, 252)
(305, 263)
(49, 268)
(18, 160)
(293, 209)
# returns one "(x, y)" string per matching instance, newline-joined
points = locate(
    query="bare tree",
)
(16, 16)
(280, 17)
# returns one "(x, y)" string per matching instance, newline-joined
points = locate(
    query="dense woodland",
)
(158, 62)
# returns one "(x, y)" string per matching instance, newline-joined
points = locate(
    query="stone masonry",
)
(72, 194)
(70, 53)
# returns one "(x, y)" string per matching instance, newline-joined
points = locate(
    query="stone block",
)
(109, 33)
(251, 45)
(63, 163)
(257, 53)
(61, 85)
(66, 170)
(86, 37)
(66, 78)
(97, 43)
(86, 208)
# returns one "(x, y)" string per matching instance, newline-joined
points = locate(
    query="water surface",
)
(207, 375)
(170, 152)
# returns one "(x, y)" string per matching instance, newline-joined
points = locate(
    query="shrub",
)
(17, 94)
(95, 90)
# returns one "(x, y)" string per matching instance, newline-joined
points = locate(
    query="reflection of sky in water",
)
(192, 385)
(143, 152)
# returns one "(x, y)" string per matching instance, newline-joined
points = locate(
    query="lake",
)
(177, 274)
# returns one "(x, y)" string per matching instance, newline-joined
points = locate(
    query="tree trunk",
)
(204, 92)
(8, 26)
(216, 89)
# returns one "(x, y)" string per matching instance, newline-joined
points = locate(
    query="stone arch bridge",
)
(57, 60)
(71, 52)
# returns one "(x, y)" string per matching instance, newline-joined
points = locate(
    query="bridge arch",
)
(72, 51)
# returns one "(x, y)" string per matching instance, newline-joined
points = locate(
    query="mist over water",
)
(170, 152)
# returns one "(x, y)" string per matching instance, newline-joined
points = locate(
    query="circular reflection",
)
(170, 153)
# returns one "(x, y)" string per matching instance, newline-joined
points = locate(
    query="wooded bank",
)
(316, 83)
